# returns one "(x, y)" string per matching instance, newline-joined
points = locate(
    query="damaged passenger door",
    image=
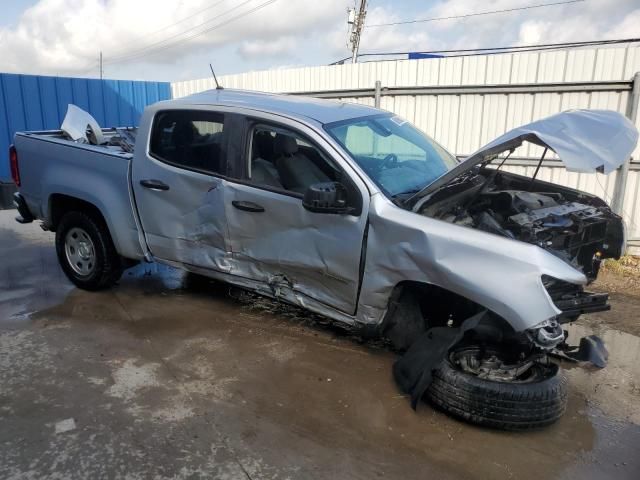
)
(301, 253)
(179, 190)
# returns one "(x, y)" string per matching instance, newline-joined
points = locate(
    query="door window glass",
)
(283, 159)
(190, 139)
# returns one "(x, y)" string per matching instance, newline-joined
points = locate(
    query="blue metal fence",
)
(30, 102)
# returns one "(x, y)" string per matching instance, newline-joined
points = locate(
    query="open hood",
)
(586, 141)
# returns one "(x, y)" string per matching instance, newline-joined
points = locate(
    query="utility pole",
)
(101, 71)
(356, 21)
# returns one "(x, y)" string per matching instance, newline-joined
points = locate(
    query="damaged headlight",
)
(546, 334)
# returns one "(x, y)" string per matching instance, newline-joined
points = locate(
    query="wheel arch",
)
(439, 306)
(59, 204)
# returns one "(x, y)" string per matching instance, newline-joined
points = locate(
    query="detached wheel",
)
(86, 252)
(473, 384)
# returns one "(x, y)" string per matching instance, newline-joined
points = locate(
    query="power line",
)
(185, 18)
(159, 44)
(167, 27)
(152, 51)
(489, 50)
(477, 14)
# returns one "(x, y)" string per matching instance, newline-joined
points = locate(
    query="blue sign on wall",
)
(30, 102)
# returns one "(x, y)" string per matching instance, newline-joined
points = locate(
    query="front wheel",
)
(475, 385)
(86, 252)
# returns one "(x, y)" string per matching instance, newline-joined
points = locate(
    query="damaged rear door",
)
(301, 254)
(179, 189)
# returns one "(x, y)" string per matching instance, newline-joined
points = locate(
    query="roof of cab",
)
(322, 111)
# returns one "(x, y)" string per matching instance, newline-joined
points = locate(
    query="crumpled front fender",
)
(501, 274)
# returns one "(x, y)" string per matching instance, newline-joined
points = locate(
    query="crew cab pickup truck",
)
(351, 212)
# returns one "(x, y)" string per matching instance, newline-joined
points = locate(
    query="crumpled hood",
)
(586, 141)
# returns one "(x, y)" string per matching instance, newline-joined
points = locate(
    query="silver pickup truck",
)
(351, 212)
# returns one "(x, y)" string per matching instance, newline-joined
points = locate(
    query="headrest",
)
(183, 133)
(285, 145)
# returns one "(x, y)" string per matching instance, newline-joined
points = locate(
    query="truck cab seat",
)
(297, 172)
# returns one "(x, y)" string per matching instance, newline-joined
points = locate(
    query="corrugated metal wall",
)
(464, 122)
(29, 102)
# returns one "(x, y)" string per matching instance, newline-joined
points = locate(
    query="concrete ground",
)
(160, 378)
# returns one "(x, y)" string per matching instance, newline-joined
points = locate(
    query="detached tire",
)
(86, 252)
(500, 405)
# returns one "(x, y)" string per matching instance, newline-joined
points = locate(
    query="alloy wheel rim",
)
(80, 252)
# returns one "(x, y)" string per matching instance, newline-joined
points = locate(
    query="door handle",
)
(247, 206)
(154, 185)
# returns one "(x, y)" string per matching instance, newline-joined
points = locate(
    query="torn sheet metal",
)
(77, 123)
(498, 273)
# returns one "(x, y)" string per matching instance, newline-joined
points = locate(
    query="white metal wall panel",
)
(580, 65)
(499, 69)
(474, 70)
(494, 120)
(551, 66)
(586, 64)
(426, 110)
(428, 71)
(447, 113)
(524, 68)
(450, 71)
(469, 127)
(610, 64)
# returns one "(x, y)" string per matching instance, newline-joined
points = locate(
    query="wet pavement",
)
(169, 378)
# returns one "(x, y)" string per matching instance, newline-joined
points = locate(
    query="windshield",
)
(397, 156)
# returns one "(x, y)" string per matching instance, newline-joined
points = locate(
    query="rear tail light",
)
(13, 161)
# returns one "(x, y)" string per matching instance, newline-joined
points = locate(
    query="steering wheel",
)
(390, 161)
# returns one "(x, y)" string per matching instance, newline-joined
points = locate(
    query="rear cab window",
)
(190, 139)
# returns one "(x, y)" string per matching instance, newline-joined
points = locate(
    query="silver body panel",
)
(342, 266)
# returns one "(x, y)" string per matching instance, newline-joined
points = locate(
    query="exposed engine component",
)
(578, 229)
(547, 335)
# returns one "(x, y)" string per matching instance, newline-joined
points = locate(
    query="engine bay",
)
(578, 227)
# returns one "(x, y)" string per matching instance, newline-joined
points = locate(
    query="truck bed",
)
(53, 167)
(121, 141)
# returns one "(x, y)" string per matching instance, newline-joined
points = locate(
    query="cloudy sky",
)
(176, 39)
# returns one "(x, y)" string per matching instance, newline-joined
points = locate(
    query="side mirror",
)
(326, 197)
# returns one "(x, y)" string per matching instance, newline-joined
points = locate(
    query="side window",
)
(189, 139)
(283, 159)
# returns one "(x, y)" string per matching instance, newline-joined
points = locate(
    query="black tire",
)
(107, 267)
(501, 405)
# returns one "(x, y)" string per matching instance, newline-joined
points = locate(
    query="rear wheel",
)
(477, 385)
(86, 252)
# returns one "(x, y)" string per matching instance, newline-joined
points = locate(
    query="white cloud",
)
(275, 48)
(391, 38)
(65, 36)
(588, 20)
(137, 36)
